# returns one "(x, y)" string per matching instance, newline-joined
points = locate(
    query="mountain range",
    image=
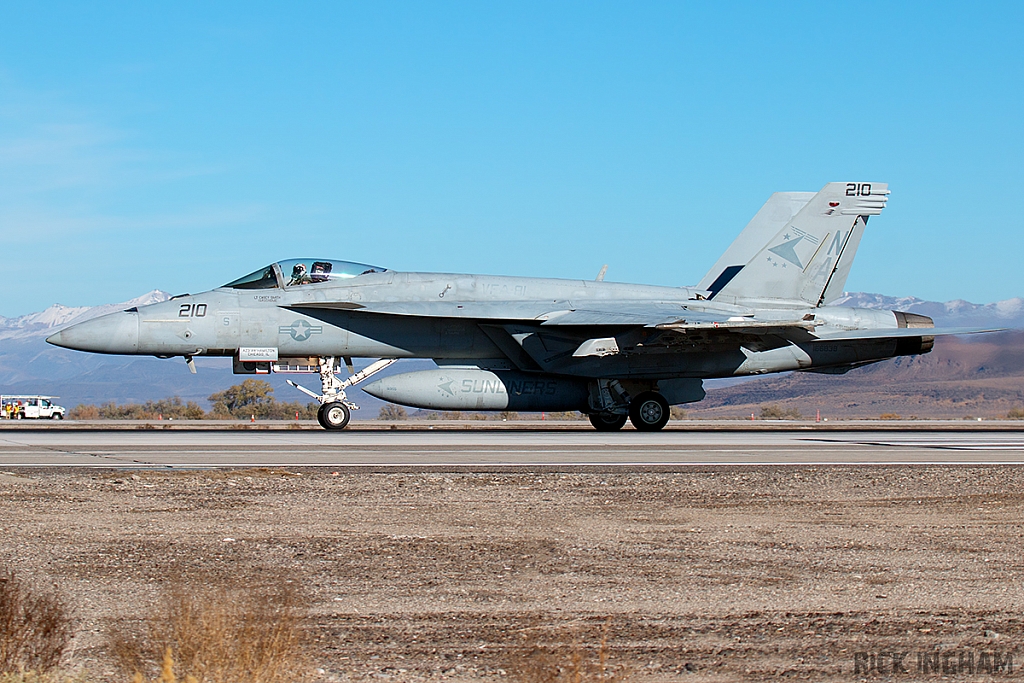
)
(963, 375)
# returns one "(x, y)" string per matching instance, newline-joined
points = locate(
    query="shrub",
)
(1016, 414)
(256, 397)
(253, 635)
(774, 411)
(84, 411)
(168, 408)
(508, 415)
(35, 628)
(241, 400)
(390, 411)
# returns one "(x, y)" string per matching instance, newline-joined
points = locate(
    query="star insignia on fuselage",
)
(300, 330)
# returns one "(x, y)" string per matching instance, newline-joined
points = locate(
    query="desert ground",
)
(701, 574)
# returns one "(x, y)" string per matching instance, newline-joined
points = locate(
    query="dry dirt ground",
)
(701, 574)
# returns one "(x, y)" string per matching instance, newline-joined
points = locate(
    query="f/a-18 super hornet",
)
(611, 350)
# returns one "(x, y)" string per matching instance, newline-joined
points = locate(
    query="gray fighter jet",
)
(613, 351)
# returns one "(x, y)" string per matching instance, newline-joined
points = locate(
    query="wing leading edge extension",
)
(663, 315)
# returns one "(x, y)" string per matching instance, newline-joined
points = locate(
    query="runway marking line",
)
(530, 465)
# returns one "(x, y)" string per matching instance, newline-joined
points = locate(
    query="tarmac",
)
(525, 445)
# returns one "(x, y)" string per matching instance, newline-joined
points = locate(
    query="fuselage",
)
(224, 320)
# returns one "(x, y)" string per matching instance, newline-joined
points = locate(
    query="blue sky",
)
(180, 145)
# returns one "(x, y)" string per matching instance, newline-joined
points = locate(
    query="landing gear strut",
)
(335, 408)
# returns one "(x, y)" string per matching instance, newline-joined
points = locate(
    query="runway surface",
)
(504, 449)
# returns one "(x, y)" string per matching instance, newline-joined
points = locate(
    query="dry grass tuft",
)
(217, 636)
(49, 677)
(568, 661)
(35, 628)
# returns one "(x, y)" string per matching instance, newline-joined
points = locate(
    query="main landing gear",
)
(648, 411)
(335, 408)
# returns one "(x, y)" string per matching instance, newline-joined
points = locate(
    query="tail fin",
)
(766, 223)
(809, 258)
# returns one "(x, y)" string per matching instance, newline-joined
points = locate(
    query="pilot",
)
(299, 276)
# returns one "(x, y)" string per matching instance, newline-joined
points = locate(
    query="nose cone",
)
(114, 333)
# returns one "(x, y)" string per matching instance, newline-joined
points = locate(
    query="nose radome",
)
(113, 333)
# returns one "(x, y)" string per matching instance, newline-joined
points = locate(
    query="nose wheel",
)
(649, 411)
(334, 415)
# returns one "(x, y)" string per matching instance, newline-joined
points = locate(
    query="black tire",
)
(18, 416)
(607, 422)
(333, 415)
(649, 411)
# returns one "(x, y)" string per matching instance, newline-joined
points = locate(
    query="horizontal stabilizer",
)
(896, 333)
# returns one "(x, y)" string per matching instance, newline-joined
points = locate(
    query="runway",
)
(528, 448)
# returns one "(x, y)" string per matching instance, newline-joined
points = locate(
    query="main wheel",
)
(333, 415)
(649, 411)
(605, 422)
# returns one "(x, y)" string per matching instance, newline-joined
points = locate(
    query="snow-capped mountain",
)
(41, 324)
(956, 313)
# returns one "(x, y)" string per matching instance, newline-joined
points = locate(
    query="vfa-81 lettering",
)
(613, 351)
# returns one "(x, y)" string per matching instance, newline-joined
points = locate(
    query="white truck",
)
(30, 407)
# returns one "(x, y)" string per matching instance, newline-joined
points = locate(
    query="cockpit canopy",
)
(302, 271)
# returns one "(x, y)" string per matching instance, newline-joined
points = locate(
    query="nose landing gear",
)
(335, 408)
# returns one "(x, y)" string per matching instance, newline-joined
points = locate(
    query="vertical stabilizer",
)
(766, 223)
(809, 258)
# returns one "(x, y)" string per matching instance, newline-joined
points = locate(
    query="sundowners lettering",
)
(528, 387)
(483, 386)
(533, 387)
